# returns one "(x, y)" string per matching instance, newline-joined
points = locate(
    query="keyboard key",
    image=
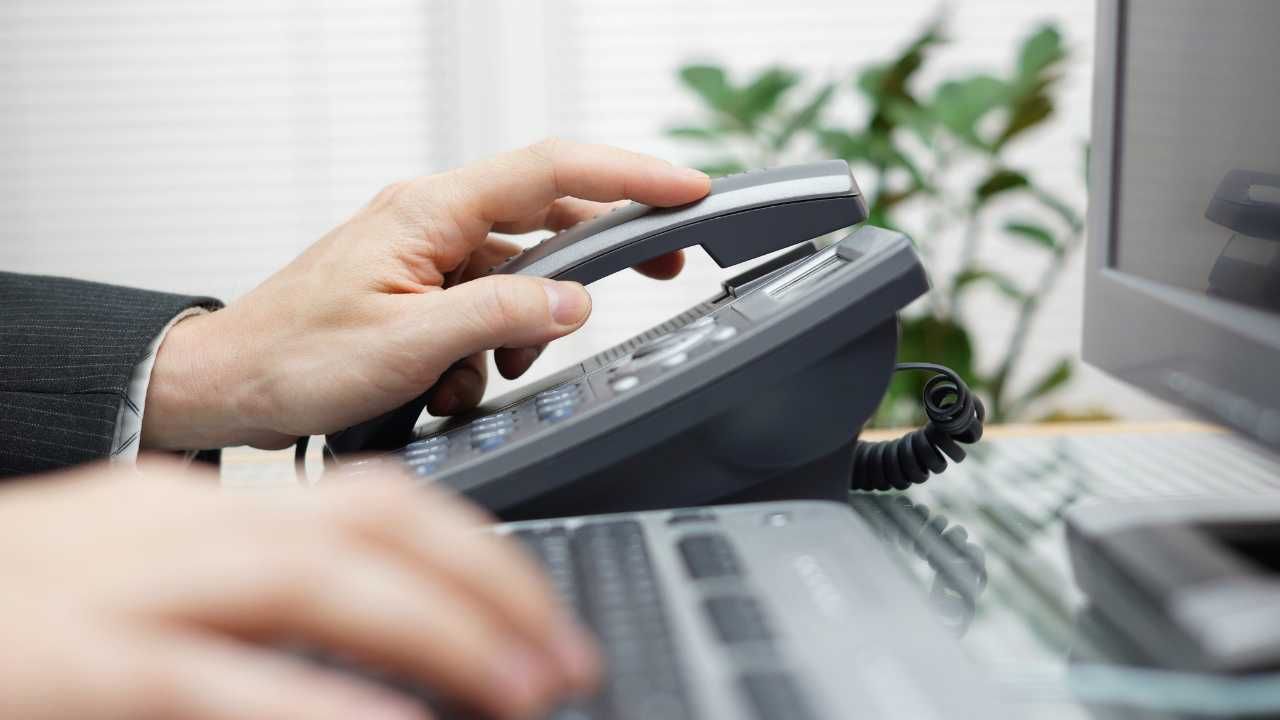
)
(709, 556)
(738, 619)
(774, 696)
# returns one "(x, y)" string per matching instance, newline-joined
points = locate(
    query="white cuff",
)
(124, 446)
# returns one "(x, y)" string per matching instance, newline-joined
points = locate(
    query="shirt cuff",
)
(128, 436)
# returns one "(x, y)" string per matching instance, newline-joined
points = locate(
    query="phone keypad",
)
(629, 366)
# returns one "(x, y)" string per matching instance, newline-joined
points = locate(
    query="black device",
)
(757, 394)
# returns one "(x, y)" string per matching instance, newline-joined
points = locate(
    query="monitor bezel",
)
(1128, 319)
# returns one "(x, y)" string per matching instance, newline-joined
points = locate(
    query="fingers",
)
(201, 677)
(491, 571)
(492, 253)
(519, 184)
(497, 311)
(561, 214)
(460, 388)
(663, 267)
(514, 362)
(323, 590)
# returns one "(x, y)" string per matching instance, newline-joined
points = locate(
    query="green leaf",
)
(919, 120)
(1056, 377)
(762, 95)
(696, 133)
(718, 168)
(1039, 51)
(889, 80)
(843, 144)
(1003, 283)
(1025, 114)
(710, 83)
(939, 340)
(960, 104)
(806, 117)
(1000, 181)
(1033, 232)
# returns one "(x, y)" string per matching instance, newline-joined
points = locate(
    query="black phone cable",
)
(955, 416)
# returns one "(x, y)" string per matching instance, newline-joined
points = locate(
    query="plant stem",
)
(1027, 311)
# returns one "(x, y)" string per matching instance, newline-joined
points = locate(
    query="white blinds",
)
(196, 146)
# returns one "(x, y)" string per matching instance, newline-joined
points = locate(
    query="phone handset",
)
(743, 217)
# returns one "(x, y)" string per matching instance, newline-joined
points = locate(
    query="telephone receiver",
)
(1247, 270)
(744, 216)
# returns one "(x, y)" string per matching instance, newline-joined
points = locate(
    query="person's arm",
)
(69, 350)
(396, 301)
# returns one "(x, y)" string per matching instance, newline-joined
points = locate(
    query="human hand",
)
(395, 301)
(132, 598)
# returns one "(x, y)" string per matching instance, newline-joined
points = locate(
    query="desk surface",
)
(986, 543)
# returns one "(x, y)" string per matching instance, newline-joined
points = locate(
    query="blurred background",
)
(196, 147)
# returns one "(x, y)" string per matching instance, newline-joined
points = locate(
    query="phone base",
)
(791, 441)
(826, 478)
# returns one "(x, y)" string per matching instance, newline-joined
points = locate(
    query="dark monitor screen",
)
(1183, 296)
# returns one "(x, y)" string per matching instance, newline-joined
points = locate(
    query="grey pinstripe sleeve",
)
(67, 351)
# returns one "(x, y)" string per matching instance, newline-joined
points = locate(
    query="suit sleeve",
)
(67, 351)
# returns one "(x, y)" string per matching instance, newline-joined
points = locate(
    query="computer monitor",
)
(1182, 295)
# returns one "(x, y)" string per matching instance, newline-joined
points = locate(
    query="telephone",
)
(756, 394)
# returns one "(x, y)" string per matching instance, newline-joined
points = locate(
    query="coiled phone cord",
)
(955, 416)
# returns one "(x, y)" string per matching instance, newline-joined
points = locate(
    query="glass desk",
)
(986, 541)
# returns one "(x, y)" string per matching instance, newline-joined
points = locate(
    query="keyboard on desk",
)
(773, 610)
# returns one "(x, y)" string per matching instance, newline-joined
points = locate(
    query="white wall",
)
(194, 147)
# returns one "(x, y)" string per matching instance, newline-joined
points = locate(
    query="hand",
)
(379, 309)
(132, 598)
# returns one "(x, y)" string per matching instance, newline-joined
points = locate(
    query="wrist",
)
(189, 402)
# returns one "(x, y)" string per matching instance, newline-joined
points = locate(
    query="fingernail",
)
(519, 680)
(694, 173)
(576, 652)
(568, 301)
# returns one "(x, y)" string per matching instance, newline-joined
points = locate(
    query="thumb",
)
(504, 311)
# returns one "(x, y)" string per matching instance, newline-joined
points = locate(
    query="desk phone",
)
(756, 394)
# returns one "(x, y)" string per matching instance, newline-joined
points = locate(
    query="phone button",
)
(667, 346)
(624, 383)
(488, 441)
(555, 412)
(674, 360)
(723, 333)
(704, 321)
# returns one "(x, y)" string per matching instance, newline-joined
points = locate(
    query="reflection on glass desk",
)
(987, 542)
